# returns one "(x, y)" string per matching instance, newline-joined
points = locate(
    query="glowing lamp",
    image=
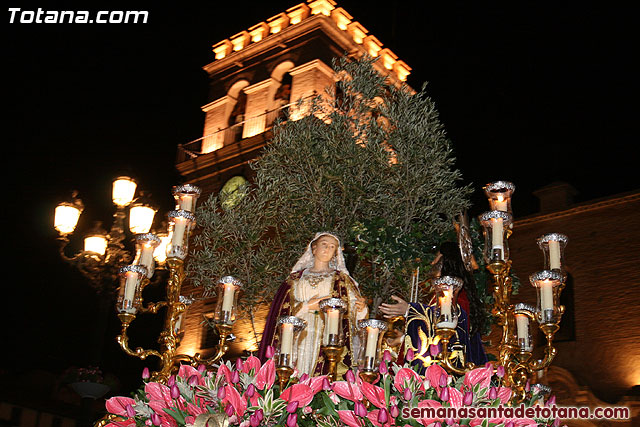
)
(186, 197)
(129, 294)
(145, 246)
(141, 218)
(179, 227)
(160, 252)
(124, 189)
(95, 242)
(524, 315)
(66, 216)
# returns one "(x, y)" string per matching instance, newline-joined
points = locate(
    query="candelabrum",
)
(104, 252)
(135, 277)
(516, 346)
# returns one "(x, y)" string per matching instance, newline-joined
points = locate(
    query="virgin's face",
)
(325, 248)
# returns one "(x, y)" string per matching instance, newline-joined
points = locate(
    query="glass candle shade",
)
(146, 244)
(524, 314)
(178, 325)
(179, 229)
(129, 294)
(124, 189)
(371, 332)
(547, 284)
(66, 216)
(499, 195)
(542, 391)
(289, 328)
(227, 302)
(141, 217)
(160, 252)
(552, 246)
(333, 309)
(446, 290)
(186, 197)
(495, 225)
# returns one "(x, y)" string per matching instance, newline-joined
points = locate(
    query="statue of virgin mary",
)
(319, 274)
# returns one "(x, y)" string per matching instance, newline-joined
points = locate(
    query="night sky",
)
(531, 92)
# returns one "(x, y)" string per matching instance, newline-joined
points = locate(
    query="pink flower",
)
(406, 394)
(409, 355)
(118, 405)
(455, 397)
(175, 391)
(404, 377)
(222, 393)
(301, 393)
(394, 411)
(239, 364)
(292, 407)
(444, 394)
(467, 400)
(347, 390)
(252, 363)
(202, 369)
(155, 419)
(433, 374)
(500, 371)
(383, 416)
(383, 368)
(326, 384)
(194, 380)
(374, 394)
(350, 376)
(292, 420)
(480, 376)
(428, 404)
(266, 375)
(233, 397)
(504, 394)
(307, 410)
(254, 421)
(130, 411)
(145, 373)
(349, 418)
(251, 390)
(235, 377)
(269, 352)
(493, 393)
(359, 409)
(223, 370)
(187, 371)
(316, 383)
(171, 381)
(334, 397)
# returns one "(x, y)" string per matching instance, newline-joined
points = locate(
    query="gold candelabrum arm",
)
(123, 339)
(445, 335)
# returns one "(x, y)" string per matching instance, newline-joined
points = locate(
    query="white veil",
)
(307, 259)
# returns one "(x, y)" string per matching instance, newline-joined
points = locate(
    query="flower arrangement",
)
(246, 394)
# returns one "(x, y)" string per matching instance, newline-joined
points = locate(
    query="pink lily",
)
(186, 371)
(118, 405)
(223, 370)
(433, 374)
(504, 394)
(374, 394)
(428, 403)
(349, 418)
(478, 375)
(233, 397)
(316, 383)
(455, 397)
(301, 393)
(347, 391)
(266, 376)
(404, 376)
(252, 362)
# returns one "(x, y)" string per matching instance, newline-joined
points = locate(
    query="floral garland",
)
(246, 394)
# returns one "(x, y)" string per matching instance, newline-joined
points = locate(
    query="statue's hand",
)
(361, 303)
(313, 302)
(394, 310)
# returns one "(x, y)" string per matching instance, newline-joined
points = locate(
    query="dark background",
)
(531, 92)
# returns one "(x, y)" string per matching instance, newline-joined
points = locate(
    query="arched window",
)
(236, 110)
(281, 89)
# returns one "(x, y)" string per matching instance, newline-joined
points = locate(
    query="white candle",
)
(178, 231)
(286, 339)
(227, 300)
(546, 295)
(332, 322)
(146, 256)
(522, 327)
(186, 203)
(554, 254)
(445, 304)
(372, 342)
(497, 235)
(130, 284)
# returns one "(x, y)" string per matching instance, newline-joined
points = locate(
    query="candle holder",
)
(446, 290)
(186, 196)
(332, 337)
(371, 334)
(145, 247)
(289, 328)
(524, 314)
(495, 226)
(226, 305)
(552, 246)
(499, 195)
(129, 291)
(179, 229)
(548, 285)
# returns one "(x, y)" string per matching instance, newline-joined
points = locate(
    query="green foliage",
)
(368, 157)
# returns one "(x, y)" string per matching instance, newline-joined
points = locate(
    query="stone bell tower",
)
(256, 75)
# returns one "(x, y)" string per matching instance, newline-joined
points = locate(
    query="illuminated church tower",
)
(257, 75)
